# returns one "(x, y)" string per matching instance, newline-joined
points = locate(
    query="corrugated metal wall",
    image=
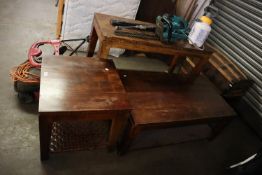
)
(237, 31)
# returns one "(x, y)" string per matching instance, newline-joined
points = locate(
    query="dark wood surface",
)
(80, 88)
(80, 84)
(161, 97)
(103, 31)
(160, 100)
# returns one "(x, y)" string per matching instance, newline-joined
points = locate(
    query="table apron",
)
(137, 46)
(76, 116)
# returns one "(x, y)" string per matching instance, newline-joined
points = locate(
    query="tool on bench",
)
(142, 35)
(170, 28)
(116, 22)
(126, 25)
(138, 27)
(134, 30)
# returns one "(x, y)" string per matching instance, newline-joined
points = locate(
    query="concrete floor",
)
(24, 21)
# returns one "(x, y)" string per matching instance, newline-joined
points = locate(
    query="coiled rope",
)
(22, 73)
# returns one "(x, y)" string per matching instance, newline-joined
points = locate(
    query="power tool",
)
(168, 29)
(119, 24)
(171, 28)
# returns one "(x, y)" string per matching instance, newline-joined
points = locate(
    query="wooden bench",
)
(103, 31)
(80, 89)
(160, 100)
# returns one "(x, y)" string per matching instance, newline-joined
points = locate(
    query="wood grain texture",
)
(92, 41)
(160, 97)
(80, 88)
(79, 84)
(160, 100)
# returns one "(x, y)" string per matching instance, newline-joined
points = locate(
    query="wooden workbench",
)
(103, 31)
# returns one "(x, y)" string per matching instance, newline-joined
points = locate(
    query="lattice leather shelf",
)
(79, 135)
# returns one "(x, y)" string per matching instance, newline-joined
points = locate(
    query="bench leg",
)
(173, 64)
(217, 128)
(117, 127)
(176, 64)
(199, 67)
(92, 42)
(103, 51)
(128, 138)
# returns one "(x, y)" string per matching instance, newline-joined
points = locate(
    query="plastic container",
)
(200, 31)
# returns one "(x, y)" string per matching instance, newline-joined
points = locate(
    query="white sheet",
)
(78, 15)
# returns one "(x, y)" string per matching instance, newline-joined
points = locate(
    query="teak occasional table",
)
(80, 88)
(104, 32)
(160, 100)
(88, 89)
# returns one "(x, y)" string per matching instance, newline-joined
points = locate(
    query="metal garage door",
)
(237, 31)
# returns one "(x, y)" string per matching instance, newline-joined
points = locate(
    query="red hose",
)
(34, 51)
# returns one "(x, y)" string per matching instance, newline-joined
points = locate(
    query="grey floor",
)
(24, 21)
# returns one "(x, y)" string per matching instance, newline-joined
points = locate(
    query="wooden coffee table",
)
(160, 100)
(80, 88)
(104, 32)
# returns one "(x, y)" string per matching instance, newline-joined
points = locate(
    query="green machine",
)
(170, 28)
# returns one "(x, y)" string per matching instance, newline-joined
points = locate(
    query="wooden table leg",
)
(173, 64)
(128, 138)
(217, 128)
(199, 67)
(103, 51)
(117, 126)
(45, 127)
(92, 42)
(176, 64)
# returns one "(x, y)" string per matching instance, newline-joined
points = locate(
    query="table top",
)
(88, 84)
(161, 97)
(106, 31)
(80, 84)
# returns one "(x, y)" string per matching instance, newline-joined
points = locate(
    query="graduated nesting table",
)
(80, 88)
(162, 100)
(88, 89)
